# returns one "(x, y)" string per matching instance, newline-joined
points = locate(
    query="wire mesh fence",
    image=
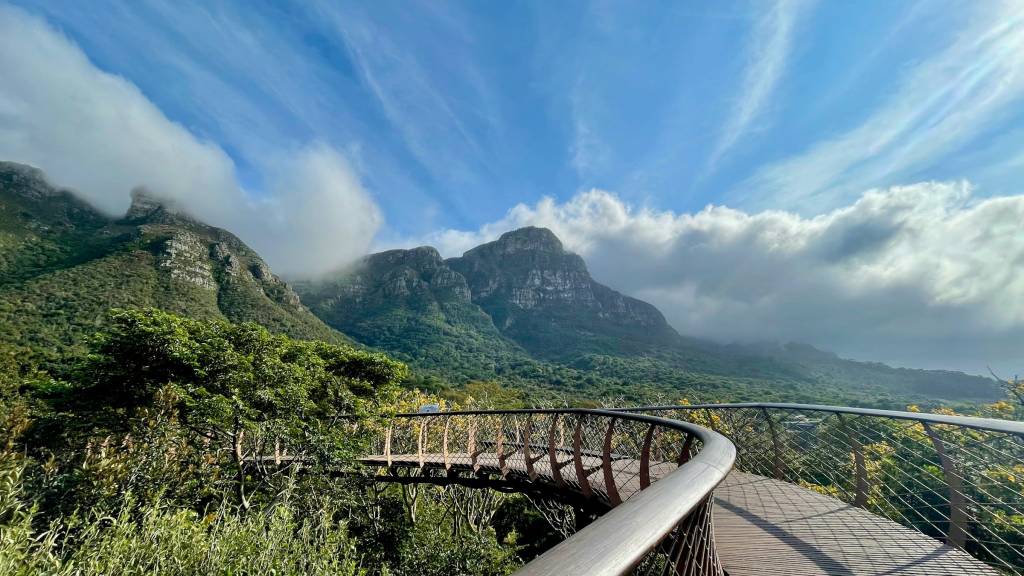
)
(959, 480)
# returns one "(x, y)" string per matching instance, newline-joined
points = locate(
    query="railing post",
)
(500, 449)
(956, 534)
(471, 444)
(527, 459)
(556, 466)
(645, 458)
(577, 457)
(420, 440)
(387, 444)
(606, 462)
(860, 498)
(444, 442)
(776, 446)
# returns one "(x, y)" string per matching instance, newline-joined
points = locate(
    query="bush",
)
(158, 540)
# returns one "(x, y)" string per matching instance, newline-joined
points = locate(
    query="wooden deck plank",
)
(762, 526)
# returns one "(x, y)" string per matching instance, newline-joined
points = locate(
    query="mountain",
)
(524, 310)
(543, 298)
(63, 264)
(521, 309)
(411, 304)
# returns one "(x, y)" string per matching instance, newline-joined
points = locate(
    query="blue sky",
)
(455, 111)
(846, 174)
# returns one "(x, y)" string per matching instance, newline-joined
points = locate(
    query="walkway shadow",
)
(827, 563)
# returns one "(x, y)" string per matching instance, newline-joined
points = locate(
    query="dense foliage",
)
(182, 446)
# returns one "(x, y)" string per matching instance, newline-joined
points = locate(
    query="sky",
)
(843, 174)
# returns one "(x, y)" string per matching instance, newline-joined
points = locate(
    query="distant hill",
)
(63, 264)
(524, 309)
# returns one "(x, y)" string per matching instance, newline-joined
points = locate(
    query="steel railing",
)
(958, 479)
(654, 476)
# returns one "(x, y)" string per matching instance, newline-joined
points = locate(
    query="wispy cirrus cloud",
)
(767, 56)
(942, 104)
(410, 88)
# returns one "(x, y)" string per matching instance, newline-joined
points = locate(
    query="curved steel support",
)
(556, 466)
(577, 459)
(645, 457)
(611, 489)
(776, 445)
(527, 455)
(684, 452)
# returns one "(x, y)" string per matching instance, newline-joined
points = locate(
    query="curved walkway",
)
(762, 526)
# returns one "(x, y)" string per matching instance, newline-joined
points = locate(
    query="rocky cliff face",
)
(412, 304)
(541, 295)
(394, 277)
(204, 256)
(529, 269)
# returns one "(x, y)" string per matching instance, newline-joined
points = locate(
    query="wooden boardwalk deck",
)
(765, 526)
(762, 526)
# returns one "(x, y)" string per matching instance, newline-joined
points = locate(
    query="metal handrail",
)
(656, 519)
(620, 539)
(989, 424)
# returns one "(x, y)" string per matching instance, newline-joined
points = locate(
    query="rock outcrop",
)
(542, 295)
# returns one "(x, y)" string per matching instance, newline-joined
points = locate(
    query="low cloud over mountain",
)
(920, 275)
(98, 134)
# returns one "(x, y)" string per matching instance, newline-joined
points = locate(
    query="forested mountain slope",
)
(63, 265)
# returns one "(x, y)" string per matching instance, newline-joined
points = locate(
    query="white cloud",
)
(941, 105)
(767, 56)
(921, 275)
(321, 217)
(99, 135)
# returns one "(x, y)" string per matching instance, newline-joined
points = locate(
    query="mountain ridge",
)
(521, 309)
(538, 314)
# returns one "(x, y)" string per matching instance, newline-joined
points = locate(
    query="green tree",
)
(252, 402)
